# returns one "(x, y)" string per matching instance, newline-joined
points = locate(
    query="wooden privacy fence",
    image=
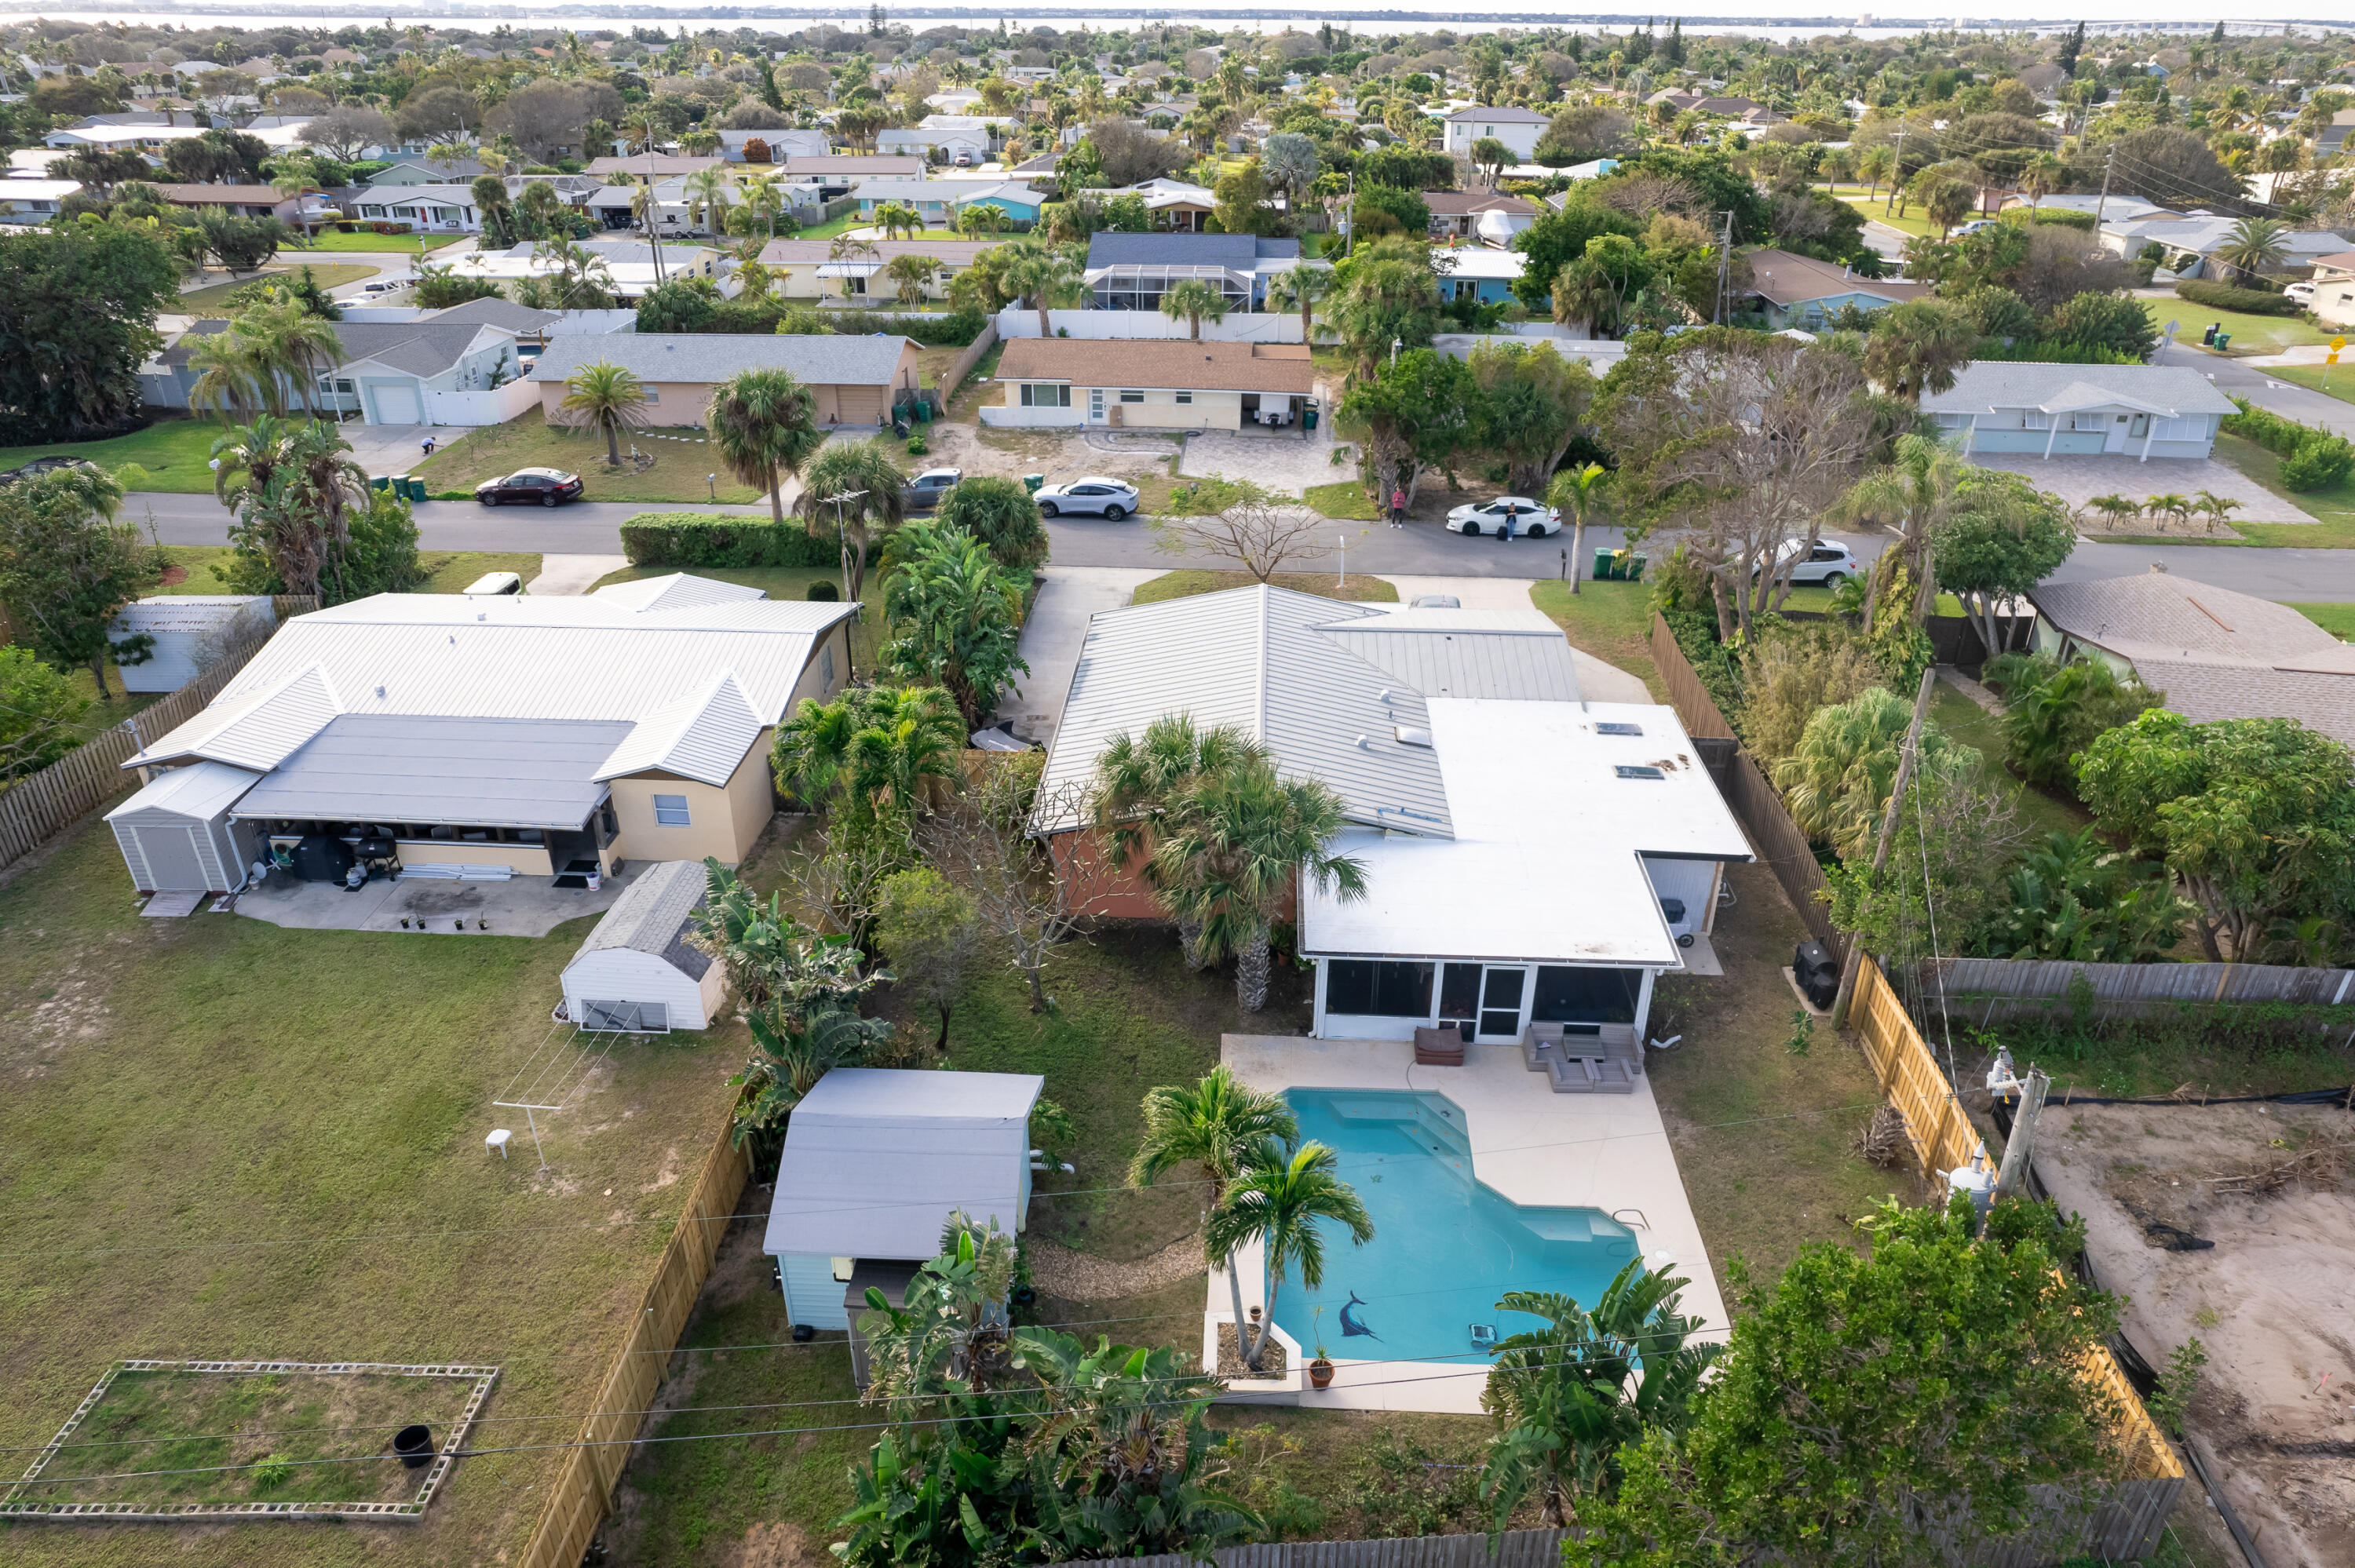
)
(1515, 1549)
(2052, 979)
(961, 366)
(583, 1487)
(38, 807)
(2127, 1524)
(1752, 800)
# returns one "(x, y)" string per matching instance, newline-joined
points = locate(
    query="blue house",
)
(939, 201)
(1801, 291)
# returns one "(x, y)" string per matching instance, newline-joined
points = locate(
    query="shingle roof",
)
(653, 915)
(216, 196)
(2168, 389)
(949, 253)
(661, 163)
(420, 347)
(1788, 279)
(1182, 365)
(815, 360)
(1468, 203)
(505, 314)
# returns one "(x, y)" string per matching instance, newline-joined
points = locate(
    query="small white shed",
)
(176, 835)
(191, 631)
(876, 1159)
(637, 972)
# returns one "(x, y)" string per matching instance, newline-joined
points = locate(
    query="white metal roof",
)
(201, 792)
(192, 612)
(679, 591)
(510, 657)
(1545, 864)
(406, 768)
(876, 1159)
(703, 736)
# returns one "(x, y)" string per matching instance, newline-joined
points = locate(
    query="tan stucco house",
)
(537, 734)
(856, 379)
(1165, 386)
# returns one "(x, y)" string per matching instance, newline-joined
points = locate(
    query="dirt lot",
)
(2235, 1225)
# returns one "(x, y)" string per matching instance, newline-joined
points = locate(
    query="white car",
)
(1532, 519)
(1828, 565)
(385, 286)
(1114, 498)
(1973, 227)
(2302, 292)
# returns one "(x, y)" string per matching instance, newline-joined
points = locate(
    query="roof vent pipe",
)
(1365, 743)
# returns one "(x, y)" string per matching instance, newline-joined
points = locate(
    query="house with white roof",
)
(876, 1161)
(2062, 411)
(2191, 245)
(538, 735)
(1532, 856)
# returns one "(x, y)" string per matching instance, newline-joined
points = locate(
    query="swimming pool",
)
(1445, 1248)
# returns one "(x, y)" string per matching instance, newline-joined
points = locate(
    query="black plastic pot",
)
(804, 1333)
(415, 1447)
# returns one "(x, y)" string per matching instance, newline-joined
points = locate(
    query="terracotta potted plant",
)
(1320, 1370)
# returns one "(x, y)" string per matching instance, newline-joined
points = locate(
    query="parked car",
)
(2302, 292)
(923, 492)
(526, 486)
(1114, 498)
(1973, 227)
(1829, 565)
(385, 286)
(1532, 519)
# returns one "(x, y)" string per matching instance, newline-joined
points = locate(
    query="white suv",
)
(1828, 565)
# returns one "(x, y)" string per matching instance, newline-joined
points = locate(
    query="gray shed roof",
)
(198, 793)
(2166, 389)
(654, 915)
(876, 1159)
(814, 361)
(400, 768)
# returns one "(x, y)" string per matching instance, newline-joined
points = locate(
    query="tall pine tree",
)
(2075, 44)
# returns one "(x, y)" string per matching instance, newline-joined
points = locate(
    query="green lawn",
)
(222, 1139)
(327, 274)
(2333, 510)
(381, 244)
(2341, 385)
(682, 459)
(173, 451)
(1345, 499)
(1611, 620)
(1913, 223)
(446, 571)
(2250, 335)
(2339, 619)
(847, 221)
(1185, 582)
(1965, 721)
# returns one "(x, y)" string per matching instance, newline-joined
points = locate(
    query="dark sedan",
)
(530, 486)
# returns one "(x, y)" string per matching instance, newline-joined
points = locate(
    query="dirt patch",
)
(2235, 1225)
(1230, 1361)
(1076, 1276)
(777, 1544)
(1059, 455)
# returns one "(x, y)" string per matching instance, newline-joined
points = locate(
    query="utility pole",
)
(2102, 206)
(1724, 255)
(842, 537)
(1905, 756)
(2011, 1179)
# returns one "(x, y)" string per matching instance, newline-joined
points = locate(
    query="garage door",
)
(628, 1017)
(397, 405)
(172, 859)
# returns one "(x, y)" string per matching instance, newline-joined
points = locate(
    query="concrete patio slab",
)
(521, 906)
(1602, 1151)
(2077, 480)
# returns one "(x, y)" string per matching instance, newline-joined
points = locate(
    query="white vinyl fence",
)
(1258, 326)
(492, 407)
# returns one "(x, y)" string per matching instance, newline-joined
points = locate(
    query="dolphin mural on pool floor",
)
(1352, 1327)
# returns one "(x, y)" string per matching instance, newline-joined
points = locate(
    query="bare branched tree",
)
(1257, 530)
(1031, 899)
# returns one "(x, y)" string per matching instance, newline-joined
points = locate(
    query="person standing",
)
(1512, 520)
(1398, 506)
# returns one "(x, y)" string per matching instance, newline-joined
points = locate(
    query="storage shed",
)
(876, 1159)
(637, 972)
(176, 835)
(190, 631)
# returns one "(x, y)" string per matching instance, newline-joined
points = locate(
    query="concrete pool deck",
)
(1532, 1147)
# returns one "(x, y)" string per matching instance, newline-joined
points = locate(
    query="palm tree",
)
(646, 207)
(1236, 844)
(766, 198)
(2253, 245)
(231, 379)
(577, 278)
(490, 194)
(1138, 779)
(908, 750)
(2117, 508)
(1211, 1126)
(294, 176)
(2044, 174)
(853, 489)
(1276, 1200)
(1043, 276)
(706, 197)
(1876, 164)
(1575, 1393)
(911, 273)
(2215, 508)
(1191, 299)
(606, 400)
(763, 425)
(698, 141)
(895, 216)
(852, 247)
(1917, 491)
(1583, 493)
(2167, 506)
(1302, 288)
(290, 344)
(1391, 294)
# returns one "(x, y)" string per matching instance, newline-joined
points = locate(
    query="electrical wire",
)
(839, 1209)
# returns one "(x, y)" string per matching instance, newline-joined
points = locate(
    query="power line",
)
(840, 1209)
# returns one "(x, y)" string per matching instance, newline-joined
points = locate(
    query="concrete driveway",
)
(1053, 635)
(2077, 480)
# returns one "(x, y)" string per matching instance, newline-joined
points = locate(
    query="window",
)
(670, 811)
(1040, 395)
(1373, 988)
(826, 666)
(649, 393)
(1132, 396)
(1572, 995)
(1185, 396)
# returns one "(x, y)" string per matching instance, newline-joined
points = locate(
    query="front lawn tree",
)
(68, 568)
(1421, 412)
(606, 400)
(1001, 513)
(1533, 404)
(2254, 816)
(2002, 537)
(853, 491)
(1918, 346)
(1584, 494)
(1257, 530)
(1869, 1407)
(77, 306)
(763, 428)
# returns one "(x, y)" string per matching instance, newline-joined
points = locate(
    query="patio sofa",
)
(1607, 1061)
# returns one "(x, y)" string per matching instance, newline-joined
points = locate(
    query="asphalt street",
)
(1422, 549)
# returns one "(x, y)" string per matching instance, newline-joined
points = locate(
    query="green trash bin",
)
(1033, 483)
(416, 489)
(379, 482)
(399, 482)
(1610, 569)
(1309, 418)
(2224, 339)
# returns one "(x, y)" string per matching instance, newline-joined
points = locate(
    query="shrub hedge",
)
(2311, 459)
(2248, 301)
(690, 539)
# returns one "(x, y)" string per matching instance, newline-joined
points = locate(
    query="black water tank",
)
(415, 1447)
